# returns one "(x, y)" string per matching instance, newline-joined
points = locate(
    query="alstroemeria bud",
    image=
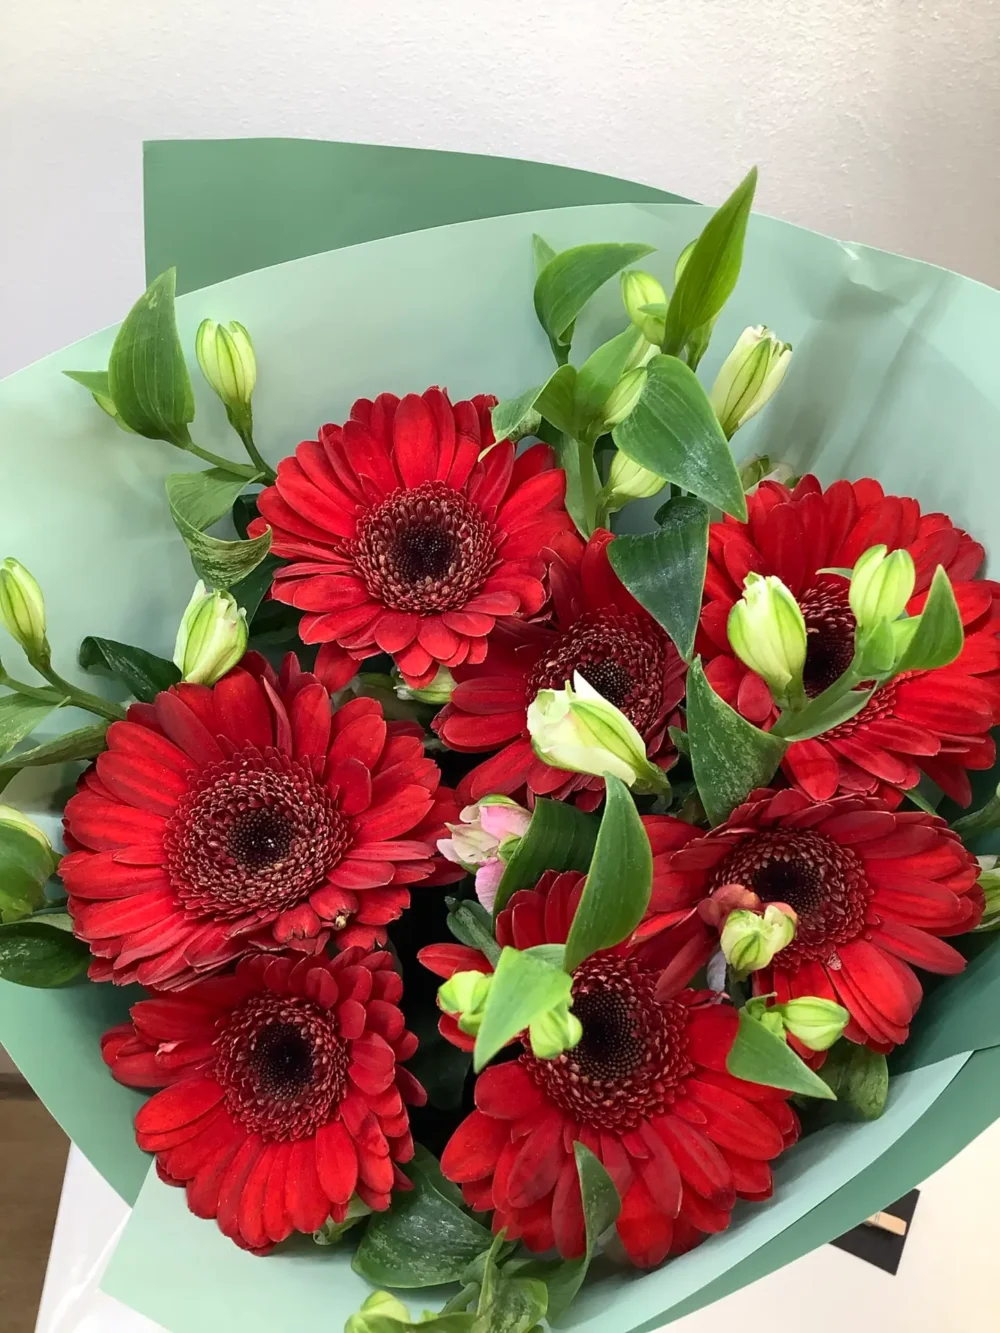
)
(16, 819)
(464, 994)
(750, 941)
(759, 468)
(641, 289)
(22, 610)
(881, 585)
(553, 1032)
(576, 728)
(749, 377)
(212, 636)
(226, 356)
(624, 396)
(379, 1306)
(484, 842)
(815, 1022)
(439, 691)
(631, 481)
(768, 634)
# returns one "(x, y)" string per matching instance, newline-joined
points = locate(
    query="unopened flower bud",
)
(815, 1022)
(439, 691)
(881, 585)
(553, 1032)
(22, 610)
(768, 634)
(749, 377)
(484, 842)
(226, 356)
(624, 396)
(642, 289)
(576, 728)
(10, 818)
(631, 481)
(379, 1307)
(212, 636)
(464, 994)
(750, 941)
(760, 468)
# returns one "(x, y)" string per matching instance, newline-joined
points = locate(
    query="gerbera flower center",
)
(633, 1053)
(282, 1065)
(257, 833)
(830, 626)
(425, 549)
(822, 881)
(622, 656)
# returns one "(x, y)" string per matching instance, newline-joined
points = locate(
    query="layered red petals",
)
(407, 530)
(247, 816)
(282, 1094)
(933, 722)
(876, 892)
(594, 626)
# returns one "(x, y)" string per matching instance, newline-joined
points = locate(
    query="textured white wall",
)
(875, 120)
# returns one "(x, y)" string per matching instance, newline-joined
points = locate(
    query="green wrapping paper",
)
(893, 376)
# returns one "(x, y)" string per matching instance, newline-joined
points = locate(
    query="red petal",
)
(306, 1201)
(645, 1232)
(473, 1149)
(336, 1161)
(538, 1163)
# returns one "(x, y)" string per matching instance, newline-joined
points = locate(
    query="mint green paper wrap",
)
(893, 375)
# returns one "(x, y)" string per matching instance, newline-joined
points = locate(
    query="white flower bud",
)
(628, 480)
(767, 633)
(749, 377)
(750, 941)
(22, 610)
(226, 356)
(881, 585)
(212, 636)
(642, 289)
(815, 1022)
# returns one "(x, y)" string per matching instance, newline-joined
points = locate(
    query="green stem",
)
(92, 703)
(225, 464)
(263, 467)
(791, 717)
(588, 489)
(43, 693)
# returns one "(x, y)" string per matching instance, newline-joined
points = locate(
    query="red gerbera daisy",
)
(597, 628)
(874, 890)
(938, 722)
(282, 1095)
(243, 816)
(409, 534)
(646, 1090)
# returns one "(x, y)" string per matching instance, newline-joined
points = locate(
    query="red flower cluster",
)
(408, 531)
(646, 1090)
(283, 1093)
(875, 892)
(247, 816)
(936, 722)
(596, 627)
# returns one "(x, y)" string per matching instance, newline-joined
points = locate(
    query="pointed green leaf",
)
(819, 716)
(145, 674)
(556, 400)
(35, 954)
(601, 1206)
(515, 418)
(665, 570)
(858, 1078)
(204, 497)
(759, 1056)
(616, 892)
(94, 381)
(559, 837)
(198, 499)
(600, 373)
(729, 755)
(541, 251)
(939, 635)
(570, 279)
(19, 717)
(83, 743)
(674, 432)
(523, 987)
(147, 375)
(712, 268)
(471, 924)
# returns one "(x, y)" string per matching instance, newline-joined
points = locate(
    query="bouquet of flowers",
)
(526, 869)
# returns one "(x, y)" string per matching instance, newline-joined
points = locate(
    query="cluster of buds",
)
(484, 841)
(212, 637)
(813, 1022)
(465, 995)
(750, 933)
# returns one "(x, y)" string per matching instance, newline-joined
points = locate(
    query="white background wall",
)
(876, 120)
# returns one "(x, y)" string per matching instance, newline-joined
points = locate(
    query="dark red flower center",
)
(822, 881)
(830, 627)
(633, 1053)
(428, 548)
(623, 656)
(256, 834)
(282, 1065)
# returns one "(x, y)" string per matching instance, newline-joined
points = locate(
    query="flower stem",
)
(588, 490)
(92, 703)
(43, 693)
(264, 468)
(225, 464)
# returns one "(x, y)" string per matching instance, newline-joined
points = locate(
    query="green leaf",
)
(220, 563)
(471, 924)
(515, 418)
(204, 497)
(570, 279)
(523, 987)
(665, 570)
(598, 376)
(19, 717)
(35, 954)
(556, 400)
(26, 866)
(541, 251)
(84, 743)
(760, 1056)
(939, 634)
(710, 274)
(94, 381)
(568, 457)
(674, 432)
(559, 837)
(147, 375)
(144, 674)
(516, 1306)
(858, 1078)
(252, 590)
(424, 1239)
(601, 1206)
(729, 755)
(819, 716)
(616, 892)
(439, 1066)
